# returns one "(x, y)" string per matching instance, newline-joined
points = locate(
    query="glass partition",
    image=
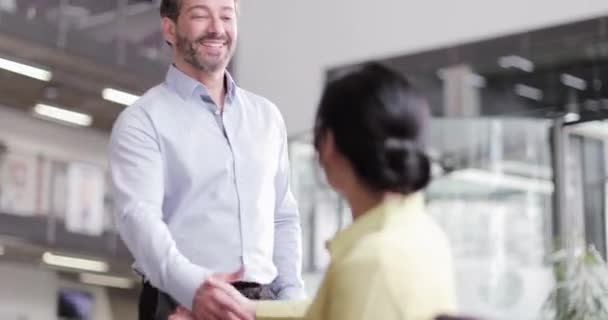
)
(491, 193)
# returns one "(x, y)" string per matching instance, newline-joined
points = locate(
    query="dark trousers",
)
(157, 305)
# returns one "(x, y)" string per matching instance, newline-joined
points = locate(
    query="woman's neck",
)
(361, 200)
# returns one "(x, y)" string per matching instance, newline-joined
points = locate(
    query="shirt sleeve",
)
(288, 235)
(137, 173)
(353, 290)
(281, 310)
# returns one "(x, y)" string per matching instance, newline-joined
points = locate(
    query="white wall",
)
(286, 45)
(27, 293)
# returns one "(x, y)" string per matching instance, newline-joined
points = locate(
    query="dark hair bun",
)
(406, 167)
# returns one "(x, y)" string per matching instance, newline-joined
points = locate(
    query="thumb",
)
(232, 277)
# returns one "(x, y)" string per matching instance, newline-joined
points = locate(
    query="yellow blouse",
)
(393, 262)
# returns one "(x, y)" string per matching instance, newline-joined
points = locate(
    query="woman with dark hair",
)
(393, 262)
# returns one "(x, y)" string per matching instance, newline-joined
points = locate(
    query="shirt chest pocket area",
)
(197, 158)
(258, 159)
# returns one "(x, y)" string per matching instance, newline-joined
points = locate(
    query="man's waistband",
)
(251, 290)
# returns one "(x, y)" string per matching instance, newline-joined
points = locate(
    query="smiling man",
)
(200, 177)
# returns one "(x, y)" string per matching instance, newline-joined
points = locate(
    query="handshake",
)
(217, 299)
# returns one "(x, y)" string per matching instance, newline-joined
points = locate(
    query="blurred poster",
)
(18, 181)
(85, 199)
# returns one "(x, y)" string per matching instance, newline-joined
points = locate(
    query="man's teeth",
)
(213, 45)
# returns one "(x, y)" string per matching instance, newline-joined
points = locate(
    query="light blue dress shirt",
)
(198, 192)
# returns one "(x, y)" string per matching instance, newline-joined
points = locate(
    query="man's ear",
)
(169, 27)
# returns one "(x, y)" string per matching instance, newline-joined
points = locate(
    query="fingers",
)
(181, 314)
(212, 312)
(217, 299)
(226, 288)
(224, 316)
(216, 303)
(226, 304)
(231, 316)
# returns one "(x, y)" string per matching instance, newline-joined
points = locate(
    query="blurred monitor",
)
(74, 304)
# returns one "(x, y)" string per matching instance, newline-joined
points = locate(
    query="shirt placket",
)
(223, 121)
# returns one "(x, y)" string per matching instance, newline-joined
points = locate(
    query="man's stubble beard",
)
(190, 51)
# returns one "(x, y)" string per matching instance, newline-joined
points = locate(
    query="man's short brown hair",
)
(171, 8)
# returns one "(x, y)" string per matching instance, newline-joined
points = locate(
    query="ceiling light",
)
(573, 82)
(9, 6)
(473, 79)
(572, 117)
(74, 263)
(477, 80)
(516, 62)
(26, 70)
(528, 92)
(118, 96)
(56, 113)
(106, 281)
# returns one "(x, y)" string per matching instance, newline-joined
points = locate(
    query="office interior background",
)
(518, 91)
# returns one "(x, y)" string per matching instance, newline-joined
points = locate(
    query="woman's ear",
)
(327, 146)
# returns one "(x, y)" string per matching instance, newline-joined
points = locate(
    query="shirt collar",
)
(374, 220)
(186, 86)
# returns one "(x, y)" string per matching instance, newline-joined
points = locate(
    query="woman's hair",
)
(379, 124)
